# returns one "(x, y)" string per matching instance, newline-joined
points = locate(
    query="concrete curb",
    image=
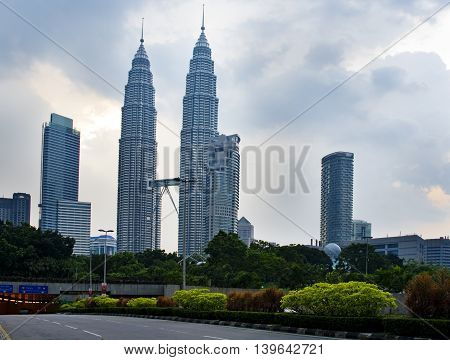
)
(278, 328)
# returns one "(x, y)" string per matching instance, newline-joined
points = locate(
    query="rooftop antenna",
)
(142, 31)
(203, 18)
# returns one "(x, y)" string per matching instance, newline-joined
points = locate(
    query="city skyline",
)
(412, 180)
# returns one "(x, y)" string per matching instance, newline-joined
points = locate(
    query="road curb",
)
(273, 327)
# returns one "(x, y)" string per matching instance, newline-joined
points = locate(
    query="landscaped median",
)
(382, 327)
(347, 310)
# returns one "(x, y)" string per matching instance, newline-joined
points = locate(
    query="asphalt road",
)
(96, 327)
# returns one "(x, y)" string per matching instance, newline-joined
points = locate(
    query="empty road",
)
(96, 327)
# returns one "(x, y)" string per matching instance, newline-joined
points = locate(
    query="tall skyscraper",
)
(337, 198)
(59, 208)
(222, 201)
(59, 167)
(138, 209)
(200, 110)
(16, 210)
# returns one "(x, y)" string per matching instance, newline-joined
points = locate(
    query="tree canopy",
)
(26, 252)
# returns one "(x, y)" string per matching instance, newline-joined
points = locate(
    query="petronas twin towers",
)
(209, 163)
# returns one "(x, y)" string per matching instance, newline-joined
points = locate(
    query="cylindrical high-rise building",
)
(200, 110)
(138, 209)
(336, 209)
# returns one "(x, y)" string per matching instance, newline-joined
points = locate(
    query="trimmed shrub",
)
(342, 299)
(142, 302)
(66, 307)
(184, 297)
(123, 302)
(268, 300)
(240, 301)
(429, 296)
(200, 300)
(165, 302)
(104, 301)
(208, 302)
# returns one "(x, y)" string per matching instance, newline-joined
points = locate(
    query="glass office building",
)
(336, 209)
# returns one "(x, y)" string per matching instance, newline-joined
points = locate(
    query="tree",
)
(353, 259)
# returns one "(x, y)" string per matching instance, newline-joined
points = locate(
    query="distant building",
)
(59, 208)
(246, 231)
(16, 210)
(361, 230)
(336, 209)
(407, 247)
(74, 220)
(98, 245)
(414, 247)
(222, 191)
(437, 251)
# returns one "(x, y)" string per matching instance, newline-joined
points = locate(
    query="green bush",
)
(343, 299)
(105, 301)
(184, 297)
(142, 302)
(66, 307)
(208, 302)
(200, 300)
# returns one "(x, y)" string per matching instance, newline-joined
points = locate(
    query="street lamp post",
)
(104, 262)
(367, 247)
(90, 271)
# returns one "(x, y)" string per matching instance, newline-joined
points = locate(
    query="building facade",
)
(59, 167)
(200, 113)
(336, 210)
(407, 247)
(138, 209)
(59, 207)
(361, 230)
(74, 220)
(437, 251)
(16, 210)
(98, 245)
(246, 231)
(222, 191)
(414, 248)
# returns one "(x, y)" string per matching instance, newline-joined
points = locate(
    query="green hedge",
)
(401, 326)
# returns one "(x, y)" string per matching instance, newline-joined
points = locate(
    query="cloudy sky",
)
(272, 59)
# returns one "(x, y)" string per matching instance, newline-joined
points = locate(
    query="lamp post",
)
(90, 270)
(367, 247)
(104, 262)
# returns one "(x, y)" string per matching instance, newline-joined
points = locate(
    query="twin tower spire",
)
(202, 28)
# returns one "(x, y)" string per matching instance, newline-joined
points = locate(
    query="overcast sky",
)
(272, 60)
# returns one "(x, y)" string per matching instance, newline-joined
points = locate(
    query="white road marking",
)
(213, 337)
(57, 323)
(71, 327)
(88, 332)
(45, 320)
(112, 321)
